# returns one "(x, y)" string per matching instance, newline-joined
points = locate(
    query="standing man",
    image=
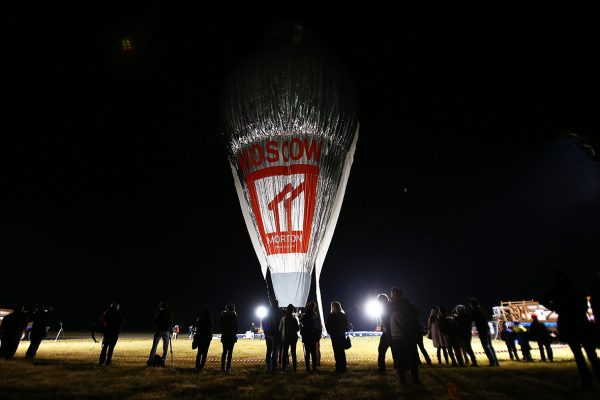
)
(403, 326)
(39, 329)
(539, 332)
(570, 303)
(483, 330)
(384, 339)
(112, 321)
(272, 335)
(229, 328)
(162, 330)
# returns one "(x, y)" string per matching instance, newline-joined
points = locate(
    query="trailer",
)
(522, 311)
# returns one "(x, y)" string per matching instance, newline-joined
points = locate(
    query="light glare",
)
(374, 308)
(261, 312)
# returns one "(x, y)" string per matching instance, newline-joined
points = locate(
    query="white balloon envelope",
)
(290, 126)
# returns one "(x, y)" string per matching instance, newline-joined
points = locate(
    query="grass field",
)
(68, 369)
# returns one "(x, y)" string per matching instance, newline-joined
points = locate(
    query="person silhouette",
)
(384, 339)
(337, 325)
(202, 337)
(39, 329)
(272, 335)
(162, 330)
(229, 328)
(11, 330)
(483, 330)
(539, 333)
(289, 327)
(112, 322)
(567, 299)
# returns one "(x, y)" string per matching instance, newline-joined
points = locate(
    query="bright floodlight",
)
(374, 308)
(261, 312)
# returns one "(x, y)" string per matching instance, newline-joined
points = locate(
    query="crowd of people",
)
(402, 333)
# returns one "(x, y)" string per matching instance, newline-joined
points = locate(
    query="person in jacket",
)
(567, 299)
(435, 334)
(289, 328)
(483, 330)
(310, 330)
(449, 330)
(464, 325)
(337, 324)
(112, 322)
(272, 335)
(11, 331)
(229, 328)
(509, 338)
(384, 339)
(539, 333)
(40, 319)
(202, 337)
(163, 320)
(403, 324)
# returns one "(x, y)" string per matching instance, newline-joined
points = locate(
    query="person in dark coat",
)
(509, 337)
(112, 322)
(464, 327)
(11, 331)
(229, 328)
(163, 319)
(403, 325)
(384, 339)
(202, 337)
(337, 325)
(570, 303)
(483, 330)
(452, 334)
(310, 330)
(39, 329)
(539, 333)
(289, 328)
(272, 335)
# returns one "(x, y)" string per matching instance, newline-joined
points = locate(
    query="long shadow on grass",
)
(33, 393)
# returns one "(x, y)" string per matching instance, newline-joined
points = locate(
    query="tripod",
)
(60, 332)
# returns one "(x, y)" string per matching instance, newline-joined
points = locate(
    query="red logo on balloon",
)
(284, 211)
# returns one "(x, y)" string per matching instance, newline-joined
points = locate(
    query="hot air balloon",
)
(290, 127)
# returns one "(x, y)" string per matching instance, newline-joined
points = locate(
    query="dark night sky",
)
(115, 183)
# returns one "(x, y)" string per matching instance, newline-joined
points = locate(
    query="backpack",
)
(157, 361)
